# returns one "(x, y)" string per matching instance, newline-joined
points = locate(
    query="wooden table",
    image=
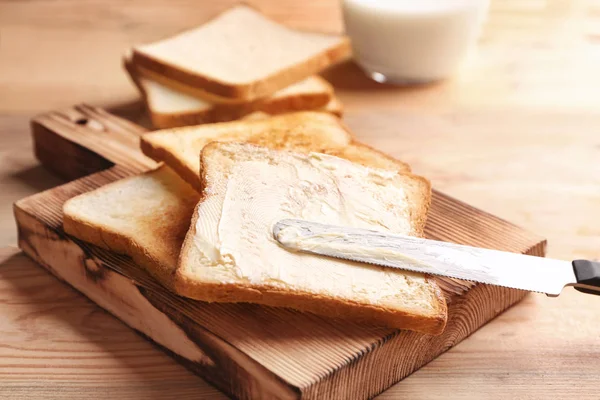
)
(516, 133)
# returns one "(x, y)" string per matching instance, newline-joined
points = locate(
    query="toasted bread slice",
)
(229, 254)
(170, 107)
(301, 131)
(334, 107)
(241, 54)
(144, 216)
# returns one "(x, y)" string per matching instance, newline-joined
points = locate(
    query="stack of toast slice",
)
(201, 224)
(238, 63)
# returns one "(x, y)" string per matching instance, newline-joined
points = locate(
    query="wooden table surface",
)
(516, 133)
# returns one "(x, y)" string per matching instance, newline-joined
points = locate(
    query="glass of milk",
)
(412, 41)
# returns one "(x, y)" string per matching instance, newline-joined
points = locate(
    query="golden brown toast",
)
(144, 216)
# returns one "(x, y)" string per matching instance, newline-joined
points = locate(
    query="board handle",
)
(82, 140)
(588, 276)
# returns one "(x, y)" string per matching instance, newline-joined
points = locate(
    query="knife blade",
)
(493, 267)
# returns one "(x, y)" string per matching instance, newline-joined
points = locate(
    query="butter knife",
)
(433, 257)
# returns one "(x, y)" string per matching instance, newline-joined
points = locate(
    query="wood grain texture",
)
(78, 141)
(47, 318)
(59, 345)
(246, 350)
(530, 51)
(515, 133)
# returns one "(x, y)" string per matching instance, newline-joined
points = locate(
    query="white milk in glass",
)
(404, 41)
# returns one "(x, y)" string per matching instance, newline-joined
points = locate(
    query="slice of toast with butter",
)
(302, 131)
(230, 255)
(171, 104)
(241, 55)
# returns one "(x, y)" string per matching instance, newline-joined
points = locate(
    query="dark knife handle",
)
(588, 276)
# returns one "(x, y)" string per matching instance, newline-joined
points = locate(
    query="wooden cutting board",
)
(247, 351)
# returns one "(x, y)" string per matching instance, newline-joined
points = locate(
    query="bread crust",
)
(305, 301)
(248, 91)
(252, 90)
(177, 120)
(317, 304)
(228, 111)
